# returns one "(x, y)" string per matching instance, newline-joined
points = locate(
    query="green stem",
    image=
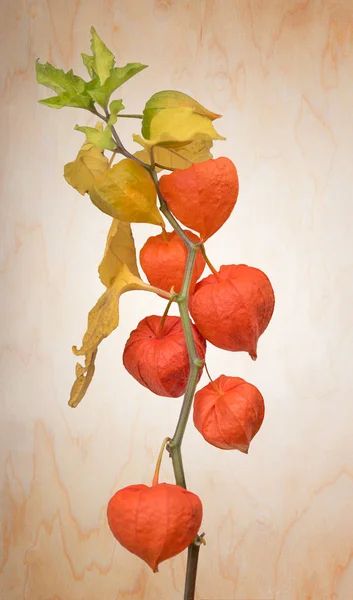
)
(191, 571)
(122, 150)
(168, 215)
(185, 411)
(196, 363)
(174, 446)
(178, 468)
(130, 116)
(94, 111)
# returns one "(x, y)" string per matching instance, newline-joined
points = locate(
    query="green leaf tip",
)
(102, 60)
(101, 139)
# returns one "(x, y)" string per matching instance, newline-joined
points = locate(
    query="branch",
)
(191, 571)
(168, 215)
(196, 363)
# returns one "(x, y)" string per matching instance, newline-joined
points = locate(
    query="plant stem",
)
(168, 215)
(165, 168)
(165, 314)
(215, 386)
(174, 446)
(159, 461)
(191, 571)
(94, 111)
(196, 363)
(208, 263)
(159, 291)
(130, 116)
(185, 412)
(112, 157)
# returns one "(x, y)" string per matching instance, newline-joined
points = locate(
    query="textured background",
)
(279, 521)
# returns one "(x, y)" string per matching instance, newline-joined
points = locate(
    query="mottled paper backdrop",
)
(278, 522)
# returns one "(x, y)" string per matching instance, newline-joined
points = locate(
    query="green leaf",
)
(65, 99)
(88, 62)
(171, 99)
(117, 77)
(101, 139)
(57, 80)
(102, 61)
(105, 76)
(71, 89)
(115, 107)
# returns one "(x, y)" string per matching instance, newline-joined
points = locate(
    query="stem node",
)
(199, 363)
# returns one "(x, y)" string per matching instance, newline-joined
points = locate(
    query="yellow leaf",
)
(83, 379)
(178, 158)
(102, 320)
(175, 127)
(104, 316)
(119, 250)
(89, 167)
(127, 193)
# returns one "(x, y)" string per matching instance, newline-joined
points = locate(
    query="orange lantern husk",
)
(203, 196)
(233, 308)
(229, 412)
(157, 522)
(157, 357)
(163, 259)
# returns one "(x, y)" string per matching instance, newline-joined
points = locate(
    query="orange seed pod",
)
(157, 522)
(233, 308)
(157, 357)
(163, 259)
(229, 412)
(203, 196)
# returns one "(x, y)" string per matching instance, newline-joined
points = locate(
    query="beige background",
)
(279, 522)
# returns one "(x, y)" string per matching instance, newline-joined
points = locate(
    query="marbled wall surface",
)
(279, 522)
